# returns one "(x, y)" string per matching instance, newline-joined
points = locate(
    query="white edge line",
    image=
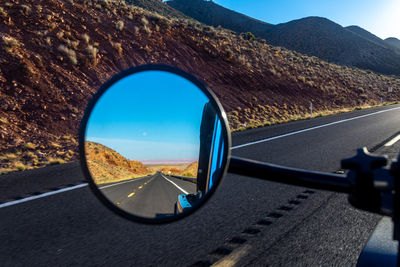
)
(390, 143)
(393, 141)
(312, 128)
(15, 202)
(124, 182)
(175, 185)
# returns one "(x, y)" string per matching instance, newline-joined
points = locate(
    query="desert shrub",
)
(10, 43)
(118, 47)
(48, 41)
(145, 23)
(229, 53)
(55, 161)
(3, 13)
(74, 44)
(39, 9)
(248, 36)
(85, 38)
(25, 9)
(20, 166)
(359, 90)
(30, 146)
(70, 53)
(60, 34)
(119, 25)
(92, 53)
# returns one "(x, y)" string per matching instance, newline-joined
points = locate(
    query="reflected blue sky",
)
(149, 115)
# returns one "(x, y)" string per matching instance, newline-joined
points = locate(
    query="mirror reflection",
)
(154, 144)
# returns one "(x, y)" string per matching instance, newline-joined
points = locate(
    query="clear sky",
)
(149, 115)
(380, 17)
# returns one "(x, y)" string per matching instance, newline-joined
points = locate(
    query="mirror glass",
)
(154, 144)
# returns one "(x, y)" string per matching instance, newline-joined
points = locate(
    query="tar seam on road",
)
(312, 128)
(232, 251)
(11, 203)
(175, 185)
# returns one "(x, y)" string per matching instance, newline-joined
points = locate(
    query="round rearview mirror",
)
(154, 144)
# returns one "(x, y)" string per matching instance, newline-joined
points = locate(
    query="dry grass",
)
(30, 146)
(55, 161)
(249, 119)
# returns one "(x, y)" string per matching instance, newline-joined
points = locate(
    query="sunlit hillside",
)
(55, 54)
(106, 165)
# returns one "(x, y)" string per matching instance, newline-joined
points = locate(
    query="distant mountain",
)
(393, 42)
(313, 36)
(157, 6)
(215, 15)
(367, 35)
(327, 40)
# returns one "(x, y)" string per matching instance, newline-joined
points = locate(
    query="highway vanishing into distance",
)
(152, 196)
(49, 216)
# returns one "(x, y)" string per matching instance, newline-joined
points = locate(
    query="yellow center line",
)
(140, 187)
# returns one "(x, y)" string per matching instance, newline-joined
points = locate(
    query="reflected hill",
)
(108, 166)
(185, 169)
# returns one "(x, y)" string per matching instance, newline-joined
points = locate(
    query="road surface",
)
(247, 222)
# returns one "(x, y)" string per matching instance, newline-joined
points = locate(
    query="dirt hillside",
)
(55, 54)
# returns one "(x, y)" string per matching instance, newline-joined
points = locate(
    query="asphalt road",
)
(151, 196)
(247, 222)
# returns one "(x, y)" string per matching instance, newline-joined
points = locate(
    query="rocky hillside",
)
(107, 165)
(314, 36)
(55, 54)
(187, 170)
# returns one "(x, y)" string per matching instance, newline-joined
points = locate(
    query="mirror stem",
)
(291, 176)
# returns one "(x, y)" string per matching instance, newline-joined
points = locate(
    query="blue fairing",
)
(216, 153)
(182, 199)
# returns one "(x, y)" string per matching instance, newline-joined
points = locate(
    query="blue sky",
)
(381, 17)
(149, 115)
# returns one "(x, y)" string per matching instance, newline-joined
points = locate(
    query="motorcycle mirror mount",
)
(155, 144)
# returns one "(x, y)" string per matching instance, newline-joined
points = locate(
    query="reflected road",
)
(150, 196)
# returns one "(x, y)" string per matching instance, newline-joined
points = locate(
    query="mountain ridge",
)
(313, 36)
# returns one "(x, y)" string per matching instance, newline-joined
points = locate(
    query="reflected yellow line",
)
(140, 187)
